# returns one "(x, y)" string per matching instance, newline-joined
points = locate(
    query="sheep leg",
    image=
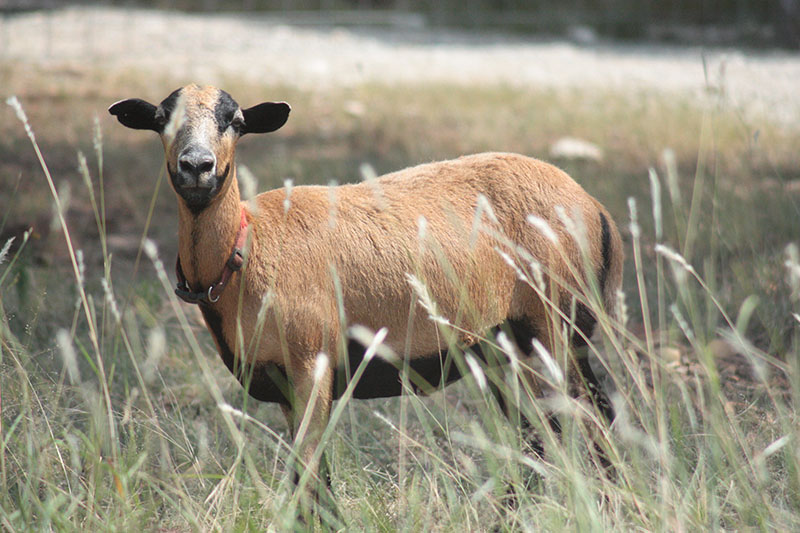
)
(531, 387)
(509, 406)
(324, 467)
(583, 383)
(307, 419)
(523, 332)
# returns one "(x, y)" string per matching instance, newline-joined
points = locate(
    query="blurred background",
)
(758, 23)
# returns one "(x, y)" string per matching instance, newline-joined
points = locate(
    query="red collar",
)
(214, 291)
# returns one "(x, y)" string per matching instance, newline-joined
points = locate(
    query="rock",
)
(721, 349)
(670, 355)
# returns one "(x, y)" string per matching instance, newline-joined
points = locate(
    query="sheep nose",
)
(196, 162)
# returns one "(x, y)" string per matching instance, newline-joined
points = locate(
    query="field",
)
(116, 413)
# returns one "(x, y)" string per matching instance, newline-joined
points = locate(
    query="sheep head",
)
(199, 127)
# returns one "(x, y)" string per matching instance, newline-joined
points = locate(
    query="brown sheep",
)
(330, 258)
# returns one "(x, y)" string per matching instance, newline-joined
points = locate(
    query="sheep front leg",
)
(307, 418)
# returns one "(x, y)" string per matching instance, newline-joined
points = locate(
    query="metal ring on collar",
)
(211, 298)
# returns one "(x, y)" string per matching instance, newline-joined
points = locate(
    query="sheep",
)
(330, 258)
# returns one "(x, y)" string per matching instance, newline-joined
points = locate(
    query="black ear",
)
(265, 117)
(137, 114)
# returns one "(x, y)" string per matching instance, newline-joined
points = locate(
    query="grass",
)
(117, 415)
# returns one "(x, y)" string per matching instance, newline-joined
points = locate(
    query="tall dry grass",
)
(123, 419)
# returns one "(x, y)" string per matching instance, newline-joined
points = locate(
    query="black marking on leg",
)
(214, 322)
(585, 320)
(606, 239)
(499, 398)
(523, 332)
(584, 323)
(596, 392)
(266, 382)
(555, 424)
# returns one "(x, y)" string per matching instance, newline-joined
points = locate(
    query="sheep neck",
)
(205, 239)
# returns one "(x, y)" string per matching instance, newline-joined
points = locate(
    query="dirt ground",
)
(264, 50)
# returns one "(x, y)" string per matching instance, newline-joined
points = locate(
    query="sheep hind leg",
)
(583, 383)
(523, 332)
(504, 392)
(513, 412)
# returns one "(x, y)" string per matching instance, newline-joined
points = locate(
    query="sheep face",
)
(199, 127)
(202, 126)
